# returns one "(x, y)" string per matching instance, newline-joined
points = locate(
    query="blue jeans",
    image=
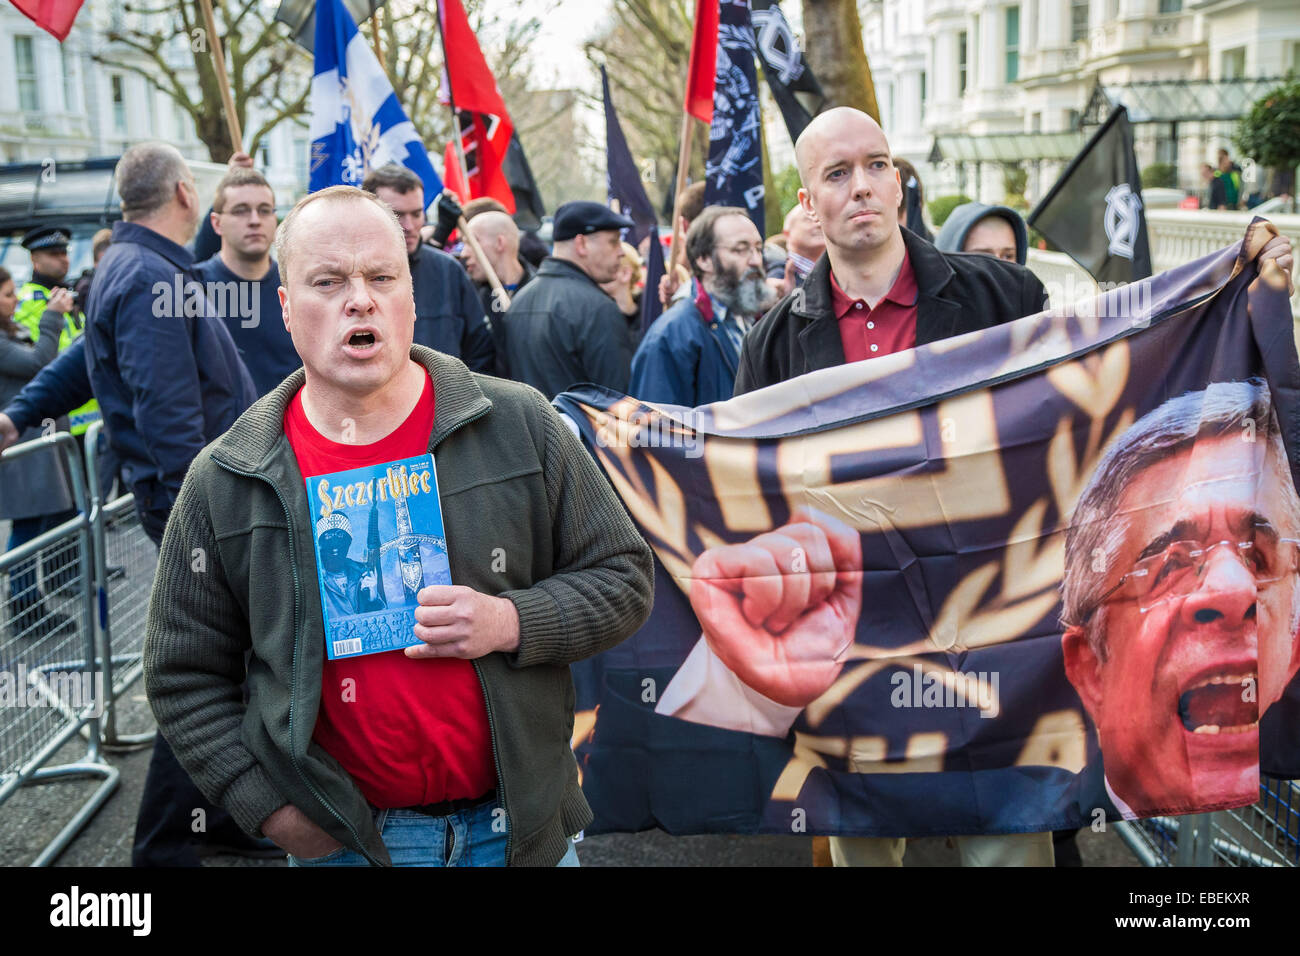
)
(474, 837)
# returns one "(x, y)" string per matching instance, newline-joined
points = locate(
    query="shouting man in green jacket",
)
(456, 751)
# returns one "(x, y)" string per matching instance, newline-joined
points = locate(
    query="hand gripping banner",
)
(1020, 580)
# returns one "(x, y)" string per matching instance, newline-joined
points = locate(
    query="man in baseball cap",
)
(562, 328)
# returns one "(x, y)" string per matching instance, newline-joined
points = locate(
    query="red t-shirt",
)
(889, 327)
(409, 732)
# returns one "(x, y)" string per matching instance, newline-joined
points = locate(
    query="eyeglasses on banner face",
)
(1179, 568)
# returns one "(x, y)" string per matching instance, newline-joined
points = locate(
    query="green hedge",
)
(941, 208)
(1160, 176)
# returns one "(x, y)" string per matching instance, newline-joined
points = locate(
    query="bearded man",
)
(691, 354)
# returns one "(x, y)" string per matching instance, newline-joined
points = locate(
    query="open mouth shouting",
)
(361, 341)
(1224, 701)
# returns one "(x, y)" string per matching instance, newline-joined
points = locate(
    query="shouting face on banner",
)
(1182, 600)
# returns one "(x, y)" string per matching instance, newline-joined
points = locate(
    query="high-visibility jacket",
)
(32, 301)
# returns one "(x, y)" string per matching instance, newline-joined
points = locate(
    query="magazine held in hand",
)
(379, 540)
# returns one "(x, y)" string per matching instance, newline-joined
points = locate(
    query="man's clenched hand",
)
(781, 609)
(456, 621)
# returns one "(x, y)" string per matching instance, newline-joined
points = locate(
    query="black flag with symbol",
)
(1094, 211)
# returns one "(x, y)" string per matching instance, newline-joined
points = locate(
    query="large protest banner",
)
(1018, 580)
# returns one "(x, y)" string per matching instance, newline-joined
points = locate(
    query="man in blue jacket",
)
(165, 371)
(243, 282)
(169, 380)
(691, 354)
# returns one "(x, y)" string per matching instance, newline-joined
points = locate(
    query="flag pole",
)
(498, 290)
(223, 82)
(374, 37)
(683, 161)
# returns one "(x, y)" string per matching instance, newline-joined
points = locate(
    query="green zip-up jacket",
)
(527, 516)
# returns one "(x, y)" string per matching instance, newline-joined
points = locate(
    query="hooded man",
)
(997, 231)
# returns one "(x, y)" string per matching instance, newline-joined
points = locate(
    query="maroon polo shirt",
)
(889, 327)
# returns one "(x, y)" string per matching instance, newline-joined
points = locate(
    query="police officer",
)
(48, 246)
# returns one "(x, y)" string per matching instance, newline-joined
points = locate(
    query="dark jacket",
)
(514, 484)
(263, 342)
(448, 316)
(681, 362)
(952, 237)
(563, 330)
(167, 382)
(957, 292)
(487, 298)
(57, 389)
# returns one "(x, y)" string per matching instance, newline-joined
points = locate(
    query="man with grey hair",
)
(1181, 602)
(691, 354)
(169, 380)
(548, 567)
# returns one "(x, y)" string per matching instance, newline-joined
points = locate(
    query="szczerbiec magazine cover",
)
(379, 539)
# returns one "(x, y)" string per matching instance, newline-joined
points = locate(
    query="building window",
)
(69, 80)
(265, 153)
(1013, 44)
(29, 91)
(1295, 57)
(119, 103)
(1035, 122)
(1171, 6)
(184, 124)
(301, 155)
(1234, 63)
(923, 93)
(150, 98)
(1078, 20)
(961, 63)
(1071, 119)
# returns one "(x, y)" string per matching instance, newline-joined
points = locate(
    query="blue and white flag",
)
(357, 122)
(734, 172)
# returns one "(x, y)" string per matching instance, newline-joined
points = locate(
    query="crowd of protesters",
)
(741, 312)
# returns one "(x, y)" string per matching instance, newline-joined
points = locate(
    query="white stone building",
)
(57, 102)
(985, 78)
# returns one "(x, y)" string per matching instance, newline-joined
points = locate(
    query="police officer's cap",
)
(583, 218)
(46, 237)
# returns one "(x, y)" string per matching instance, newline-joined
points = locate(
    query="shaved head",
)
(826, 130)
(487, 226)
(850, 186)
(498, 236)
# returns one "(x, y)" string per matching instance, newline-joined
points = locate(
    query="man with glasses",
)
(1181, 602)
(691, 354)
(242, 281)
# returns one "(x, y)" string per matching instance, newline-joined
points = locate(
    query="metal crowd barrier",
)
(47, 654)
(125, 561)
(1265, 834)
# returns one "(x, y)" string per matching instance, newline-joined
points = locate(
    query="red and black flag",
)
(484, 123)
